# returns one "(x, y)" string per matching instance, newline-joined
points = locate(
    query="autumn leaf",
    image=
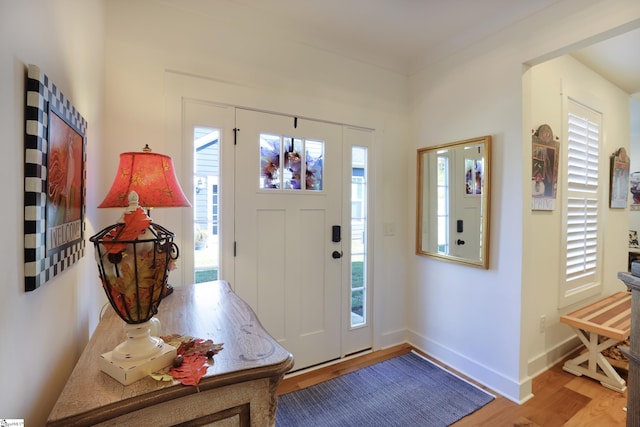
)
(116, 297)
(192, 369)
(135, 223)
(159, 376)
(175, 339)
(187, 345)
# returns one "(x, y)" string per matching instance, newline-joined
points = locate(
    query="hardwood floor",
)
(560, 398)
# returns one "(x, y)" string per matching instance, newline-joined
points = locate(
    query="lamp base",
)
(138, 356)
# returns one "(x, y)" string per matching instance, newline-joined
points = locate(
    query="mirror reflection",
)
(453, 201)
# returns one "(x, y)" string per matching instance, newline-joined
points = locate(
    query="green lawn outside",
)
(357, 281)
(206, 275)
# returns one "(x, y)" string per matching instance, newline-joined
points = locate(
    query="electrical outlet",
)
(543, 323)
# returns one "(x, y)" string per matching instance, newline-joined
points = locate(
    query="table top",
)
(610, 316)
(209, 310)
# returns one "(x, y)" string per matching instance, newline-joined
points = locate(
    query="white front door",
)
(288, 263)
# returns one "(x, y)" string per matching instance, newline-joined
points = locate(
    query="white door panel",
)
(283, 265)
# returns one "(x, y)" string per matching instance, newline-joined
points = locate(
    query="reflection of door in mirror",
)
(468, 207)
(435, 204)
(453, 195)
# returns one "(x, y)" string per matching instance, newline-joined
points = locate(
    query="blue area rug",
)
(407, 390)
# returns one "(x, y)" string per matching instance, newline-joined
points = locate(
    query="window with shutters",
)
(582, 205)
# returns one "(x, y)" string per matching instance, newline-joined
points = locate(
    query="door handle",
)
(336, 254)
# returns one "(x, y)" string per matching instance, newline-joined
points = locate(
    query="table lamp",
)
(134, 258)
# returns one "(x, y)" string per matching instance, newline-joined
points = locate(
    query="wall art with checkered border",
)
(54, 181)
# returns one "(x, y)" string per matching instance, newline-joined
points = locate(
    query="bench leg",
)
(597, 366)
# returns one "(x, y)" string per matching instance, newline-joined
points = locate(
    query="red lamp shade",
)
(151, 175)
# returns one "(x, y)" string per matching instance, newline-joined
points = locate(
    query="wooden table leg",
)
(597, 366)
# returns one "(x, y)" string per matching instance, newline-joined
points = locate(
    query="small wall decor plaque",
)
(544, 169)
(619, 179)
(54, 181)
(634, 184)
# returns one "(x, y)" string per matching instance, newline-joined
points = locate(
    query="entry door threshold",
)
(329, 363)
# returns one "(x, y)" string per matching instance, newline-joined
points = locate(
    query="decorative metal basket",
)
(134, 272)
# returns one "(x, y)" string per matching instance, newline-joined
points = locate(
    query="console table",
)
(238, 389)
(633, 352)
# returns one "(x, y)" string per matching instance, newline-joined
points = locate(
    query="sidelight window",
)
(206, 225)
(358, 300)
(443, 202)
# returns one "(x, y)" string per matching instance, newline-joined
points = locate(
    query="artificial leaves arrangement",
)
(194, 355)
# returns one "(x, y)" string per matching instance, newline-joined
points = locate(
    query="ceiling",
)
(617, 59)
(398, 34)
(405, 35)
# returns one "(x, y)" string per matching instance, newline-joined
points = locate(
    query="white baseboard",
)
(390, 339)
(518, 392)
(546, 360)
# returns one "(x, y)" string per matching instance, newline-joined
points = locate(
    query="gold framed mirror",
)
(453, 201)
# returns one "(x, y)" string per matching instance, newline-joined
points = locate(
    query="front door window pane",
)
(314, 151)
(293, 163)
(270, 152)
(281, 165)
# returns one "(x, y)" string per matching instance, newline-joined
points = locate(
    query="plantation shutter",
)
(582, 231)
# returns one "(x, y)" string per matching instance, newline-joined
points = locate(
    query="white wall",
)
(233, 57)
(481, 322)
(43, 332)
(465, 316)
(550, 81)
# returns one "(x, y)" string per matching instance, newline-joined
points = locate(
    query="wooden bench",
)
(609, 319)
